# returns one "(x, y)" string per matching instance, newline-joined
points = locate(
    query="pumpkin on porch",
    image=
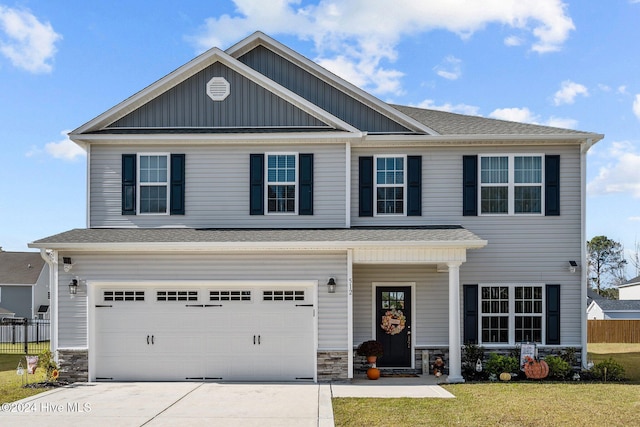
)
(373, 373)
(536, 369)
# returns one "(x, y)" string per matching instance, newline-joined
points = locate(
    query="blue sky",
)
(572, 64)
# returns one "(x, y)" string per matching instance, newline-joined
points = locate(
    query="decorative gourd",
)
(505, 376)
(536, 370)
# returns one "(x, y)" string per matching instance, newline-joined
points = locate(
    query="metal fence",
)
(613, 331)
(24, 336)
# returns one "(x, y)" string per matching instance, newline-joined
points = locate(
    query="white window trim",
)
(375, 185)
(150, 184)
(511, 184)
(512, 313)
(267, 182)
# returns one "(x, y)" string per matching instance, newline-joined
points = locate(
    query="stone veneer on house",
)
(74, 365)
(333, 365)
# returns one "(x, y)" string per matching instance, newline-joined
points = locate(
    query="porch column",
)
(455, 369)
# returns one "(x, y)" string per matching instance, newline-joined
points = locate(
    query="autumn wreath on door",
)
(393, 321)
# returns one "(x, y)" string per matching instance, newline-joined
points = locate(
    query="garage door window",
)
(283, 295)
(123, 295)
(177, 296)
(229, 295)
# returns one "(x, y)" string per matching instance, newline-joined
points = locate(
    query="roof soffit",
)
(191, 68)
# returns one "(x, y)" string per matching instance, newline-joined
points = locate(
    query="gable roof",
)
(633, 282)
(618, 305)
(20, 268)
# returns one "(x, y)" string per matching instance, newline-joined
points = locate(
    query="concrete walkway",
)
(201, 404)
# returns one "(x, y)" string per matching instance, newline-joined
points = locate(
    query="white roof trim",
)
(189, 69)
(259, 38)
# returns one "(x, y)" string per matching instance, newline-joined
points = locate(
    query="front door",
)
(393, 318)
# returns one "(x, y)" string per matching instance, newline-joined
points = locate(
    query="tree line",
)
(608, 266)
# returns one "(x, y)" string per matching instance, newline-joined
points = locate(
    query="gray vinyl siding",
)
(332, 308)
(431, 327)
(217, 188)
(521, 249)
(17, 299)
(187, 106)
(320, 93)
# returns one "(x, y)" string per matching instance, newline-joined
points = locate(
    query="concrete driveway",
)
(171, 404)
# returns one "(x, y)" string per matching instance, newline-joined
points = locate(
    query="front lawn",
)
(504, 404)
(11, 388)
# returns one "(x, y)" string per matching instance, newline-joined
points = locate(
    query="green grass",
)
(504, 404)
(512, 404)
(11, 388)
(34, 348)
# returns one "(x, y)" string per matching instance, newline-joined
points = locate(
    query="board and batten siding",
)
(137, 267)
(187, 105)
(521, 248)
(217, 188)
(431, 327)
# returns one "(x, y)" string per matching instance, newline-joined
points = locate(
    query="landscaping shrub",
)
(498, 364)
(559, 368)
(470, 355)
(608, 370)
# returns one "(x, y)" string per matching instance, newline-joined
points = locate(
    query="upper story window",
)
(390, 182)
(153, 184)
(511, 184)
(282, 183)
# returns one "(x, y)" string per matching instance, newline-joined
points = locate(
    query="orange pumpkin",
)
(536, 370)
(373, 373)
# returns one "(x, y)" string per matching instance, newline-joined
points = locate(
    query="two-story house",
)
(252, 216)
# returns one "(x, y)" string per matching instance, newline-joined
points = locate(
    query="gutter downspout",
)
(584, 147)
(51, 258)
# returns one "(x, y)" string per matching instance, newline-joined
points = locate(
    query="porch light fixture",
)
(73, 287)
(331, 285)
(67, 264)
(572, 266)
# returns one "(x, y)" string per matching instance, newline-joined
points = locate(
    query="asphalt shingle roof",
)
(427, 234)
(20, 268)
(446, 123)
(619, 305)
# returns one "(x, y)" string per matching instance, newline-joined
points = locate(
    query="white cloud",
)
(523, 115)
(622, 89)
(513, 41)
(634, 218)
(64, 149)
(361, 36)
(620, 174)
(457, 108)
(450, 68)
(568, 92)
(636, 106)
(562, 122)
(28, 43)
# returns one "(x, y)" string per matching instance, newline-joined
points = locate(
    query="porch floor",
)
(422, 386)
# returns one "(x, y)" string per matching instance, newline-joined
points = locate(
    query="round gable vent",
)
(218, 88)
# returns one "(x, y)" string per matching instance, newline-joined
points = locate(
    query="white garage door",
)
(182, 333)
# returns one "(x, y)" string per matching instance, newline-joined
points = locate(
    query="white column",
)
(455, 369)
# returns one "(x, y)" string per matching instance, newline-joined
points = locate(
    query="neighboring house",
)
(24, 285)
(226, 199)
(606, 309)
(630, 290)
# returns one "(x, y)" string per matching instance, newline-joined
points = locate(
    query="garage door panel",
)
(253, 333)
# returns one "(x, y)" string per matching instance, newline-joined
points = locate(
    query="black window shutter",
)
(256, 184)
(553, 314)
(469, 185)
(414, 185)
(305, 189)
(552, 185)
(128, 184)
(177, 184)
(470, 314)
(365, 177)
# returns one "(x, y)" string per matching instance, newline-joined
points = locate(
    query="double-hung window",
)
(282, 183)
(390, 183)
(511, 314)
(511, 184)
(153, 184)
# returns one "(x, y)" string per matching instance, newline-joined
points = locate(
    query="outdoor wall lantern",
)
(67, 263)
(331, 285)
(73, 287)
(572, 266)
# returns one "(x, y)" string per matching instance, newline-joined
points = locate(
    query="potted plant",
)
(371, 350)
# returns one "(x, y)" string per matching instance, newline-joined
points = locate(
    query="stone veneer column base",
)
(333, 365)
(74, 365)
